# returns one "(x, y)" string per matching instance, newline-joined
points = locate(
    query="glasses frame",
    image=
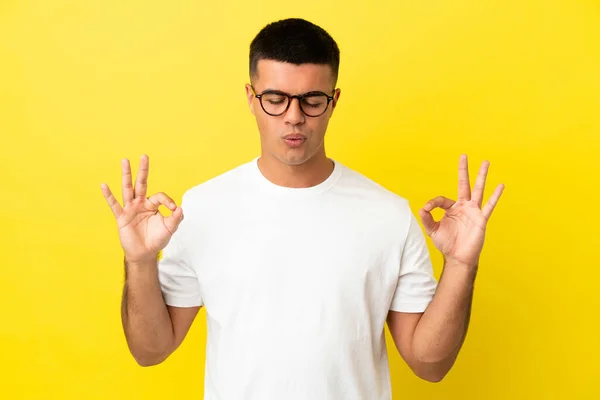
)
(300, 97)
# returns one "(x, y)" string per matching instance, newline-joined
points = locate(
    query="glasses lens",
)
(274, 103)
(314, 105)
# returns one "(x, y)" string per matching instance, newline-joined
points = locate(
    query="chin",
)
(293, 159)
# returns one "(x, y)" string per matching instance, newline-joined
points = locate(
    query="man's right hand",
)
(143, 230)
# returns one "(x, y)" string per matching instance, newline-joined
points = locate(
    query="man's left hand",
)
(460, 233)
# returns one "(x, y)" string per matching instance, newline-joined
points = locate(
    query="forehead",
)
(293, 78)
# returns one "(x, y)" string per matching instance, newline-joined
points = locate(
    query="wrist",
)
(142, 263)
(458, 269)
(454, 263)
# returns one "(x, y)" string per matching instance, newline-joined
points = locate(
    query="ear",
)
(336, 97)
(250, 97)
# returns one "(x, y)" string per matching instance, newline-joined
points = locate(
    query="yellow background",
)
(86, 83)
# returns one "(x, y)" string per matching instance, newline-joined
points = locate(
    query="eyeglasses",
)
(276, 103)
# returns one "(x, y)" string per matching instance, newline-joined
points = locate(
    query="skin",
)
(152, 329)
(429, 342)
(307, 165)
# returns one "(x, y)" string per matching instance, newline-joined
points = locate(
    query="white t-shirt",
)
(297, 283)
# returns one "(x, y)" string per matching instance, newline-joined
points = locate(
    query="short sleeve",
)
(416, 282)
(178, 279)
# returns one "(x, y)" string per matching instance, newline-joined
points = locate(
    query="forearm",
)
(442, 329)
(146, 320)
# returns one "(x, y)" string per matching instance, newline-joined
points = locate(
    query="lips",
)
(294, 140)
(294, 136)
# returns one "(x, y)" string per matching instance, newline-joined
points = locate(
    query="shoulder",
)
(221, 187)
(385, 211)
(372, 194)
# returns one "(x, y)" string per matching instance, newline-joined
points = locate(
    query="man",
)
(299, 260)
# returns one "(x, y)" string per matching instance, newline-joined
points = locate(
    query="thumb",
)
(429, 224)
(172, 221)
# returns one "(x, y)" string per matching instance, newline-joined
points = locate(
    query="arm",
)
(153, 330)
(429, 342)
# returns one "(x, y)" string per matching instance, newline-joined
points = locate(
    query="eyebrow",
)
(311, 93)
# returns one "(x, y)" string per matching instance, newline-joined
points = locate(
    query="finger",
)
(141, 182)
(158, 199)
(439, 202)
(479, 188)
(172, 221)
(127, 187)
(464, 187)
(491, 203)
(110, 199)
(429, 224)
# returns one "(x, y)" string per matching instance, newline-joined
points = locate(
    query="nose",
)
(294, 114)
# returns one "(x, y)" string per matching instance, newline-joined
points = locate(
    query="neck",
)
(308, 174)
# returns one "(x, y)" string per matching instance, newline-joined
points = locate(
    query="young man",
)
(299, 260)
